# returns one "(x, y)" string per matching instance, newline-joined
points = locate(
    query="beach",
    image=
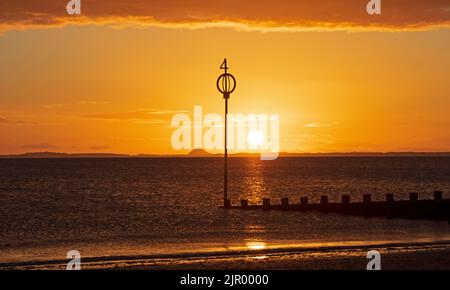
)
(395, 258)
(162, 213)
(420, 256)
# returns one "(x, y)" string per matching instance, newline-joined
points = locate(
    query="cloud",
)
(148, 116)
(61, 105)
(92, 103)
(320, 125)
(54, 106)
(260, 15)
(38, 146)
(7, 121)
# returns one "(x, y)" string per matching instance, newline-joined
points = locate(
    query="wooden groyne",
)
(414, 208)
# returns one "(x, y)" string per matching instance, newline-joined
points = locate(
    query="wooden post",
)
(324, 199)
(285, 201)
(346, 199)
(438, 195)
(389, 197)
(367, 198)
(304, 200)
(266, 202)
(244, 203)
(413, 196)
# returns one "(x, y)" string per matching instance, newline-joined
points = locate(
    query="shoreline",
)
(396, 256)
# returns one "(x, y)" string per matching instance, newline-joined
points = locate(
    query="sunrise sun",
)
(255, 138)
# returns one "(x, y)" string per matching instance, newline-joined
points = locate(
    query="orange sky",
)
(363, 84)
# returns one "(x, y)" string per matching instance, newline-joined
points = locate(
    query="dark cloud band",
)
(261, 14)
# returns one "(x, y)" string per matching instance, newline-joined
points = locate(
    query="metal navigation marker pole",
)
(226, 84)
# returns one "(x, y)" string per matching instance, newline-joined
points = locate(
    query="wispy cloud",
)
(262, 14)
(54, 106)
(66, 105)
(147, 115)
(3, 120)
(8, 121)
(320, 125)
(92, 103)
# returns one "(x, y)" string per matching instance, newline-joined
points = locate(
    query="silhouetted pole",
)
(226, 84)
(226, 203)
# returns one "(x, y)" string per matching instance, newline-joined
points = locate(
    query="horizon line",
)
(205, 154)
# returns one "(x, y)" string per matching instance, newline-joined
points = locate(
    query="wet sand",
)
(393, 257)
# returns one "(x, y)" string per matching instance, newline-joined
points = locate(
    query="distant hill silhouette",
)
(64, 155)
(202, 153)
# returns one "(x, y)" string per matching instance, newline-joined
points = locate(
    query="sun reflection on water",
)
(256, 245)
(260, 257)
(255, 229)
(254, 186)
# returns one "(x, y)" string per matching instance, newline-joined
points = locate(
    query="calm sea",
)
(125, 207)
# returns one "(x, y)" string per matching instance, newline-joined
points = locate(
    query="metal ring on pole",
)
(226, 84)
